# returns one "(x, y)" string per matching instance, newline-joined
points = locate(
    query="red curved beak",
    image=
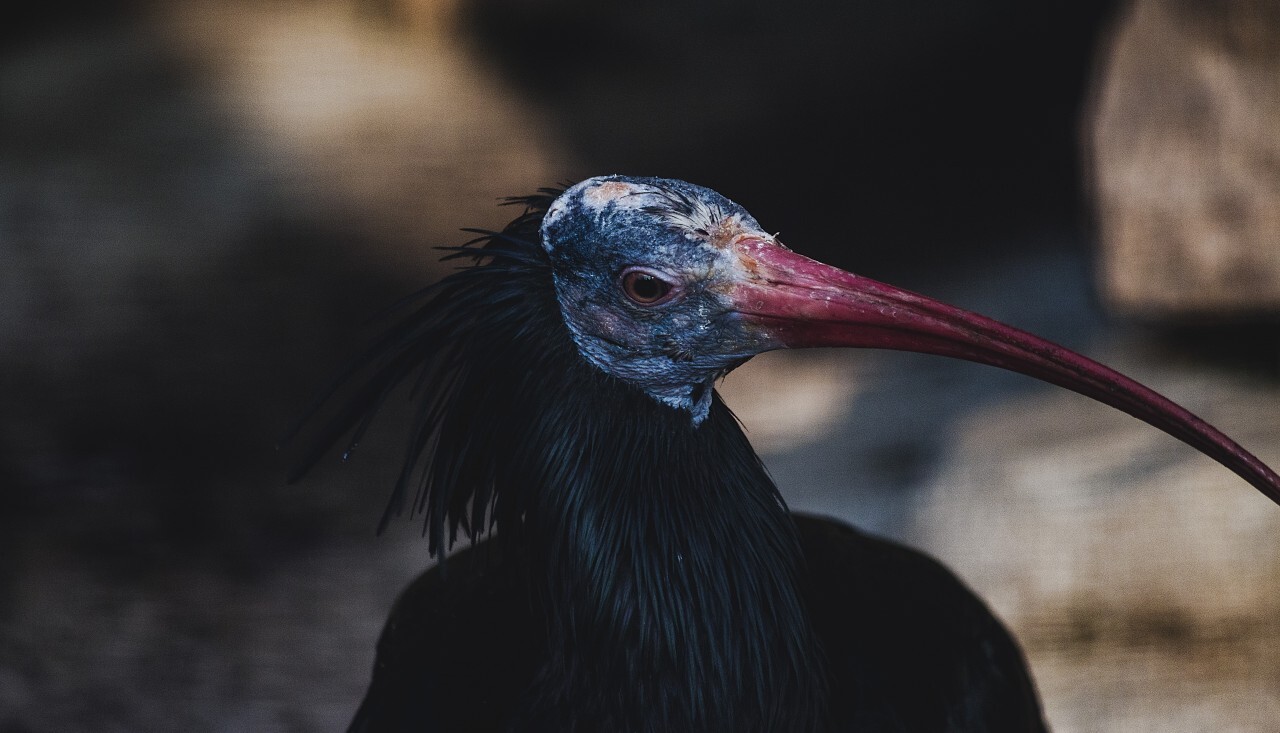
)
(796, 302)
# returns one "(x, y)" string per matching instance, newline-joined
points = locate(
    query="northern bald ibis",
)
(644, 574)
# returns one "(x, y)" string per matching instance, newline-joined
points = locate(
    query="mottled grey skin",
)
(674, 351)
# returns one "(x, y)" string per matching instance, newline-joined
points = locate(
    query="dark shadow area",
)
(1250, 347)
(880, 136)
(35, 24)
(168, 310)
(168, 306)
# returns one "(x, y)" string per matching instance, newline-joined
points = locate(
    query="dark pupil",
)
(647, 287)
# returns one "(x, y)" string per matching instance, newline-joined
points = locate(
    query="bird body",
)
(644, 573)
(904, 647)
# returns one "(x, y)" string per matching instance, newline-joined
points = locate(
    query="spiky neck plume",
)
(658, 551)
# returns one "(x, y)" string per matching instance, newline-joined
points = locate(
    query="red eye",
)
(645, 288)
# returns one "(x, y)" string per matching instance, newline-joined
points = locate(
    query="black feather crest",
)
(460, 323)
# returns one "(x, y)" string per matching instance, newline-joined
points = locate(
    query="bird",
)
(629, 563)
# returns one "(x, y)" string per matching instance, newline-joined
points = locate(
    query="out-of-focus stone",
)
(787, 400)
(1142, 578)
(1186, 156)
(391, 125)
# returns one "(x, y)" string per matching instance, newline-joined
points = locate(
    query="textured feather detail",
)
(444, 348)
(657, 553)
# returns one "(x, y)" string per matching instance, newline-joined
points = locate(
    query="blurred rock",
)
(386, 122)
(1139, 575)
(788, 400)
(1186, 157)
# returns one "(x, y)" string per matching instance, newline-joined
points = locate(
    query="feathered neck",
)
(660, 552)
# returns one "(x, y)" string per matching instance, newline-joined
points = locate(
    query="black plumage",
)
(638, 570)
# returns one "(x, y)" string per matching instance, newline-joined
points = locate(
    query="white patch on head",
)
(602, 194)
(729, 237)
(596, 194)
(554, 212)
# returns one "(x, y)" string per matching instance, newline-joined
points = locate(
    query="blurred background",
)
(202, 204)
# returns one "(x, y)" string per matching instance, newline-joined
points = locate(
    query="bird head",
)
(645, 270)
(667, 286)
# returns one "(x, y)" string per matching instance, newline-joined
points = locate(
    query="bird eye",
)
(645, 287)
